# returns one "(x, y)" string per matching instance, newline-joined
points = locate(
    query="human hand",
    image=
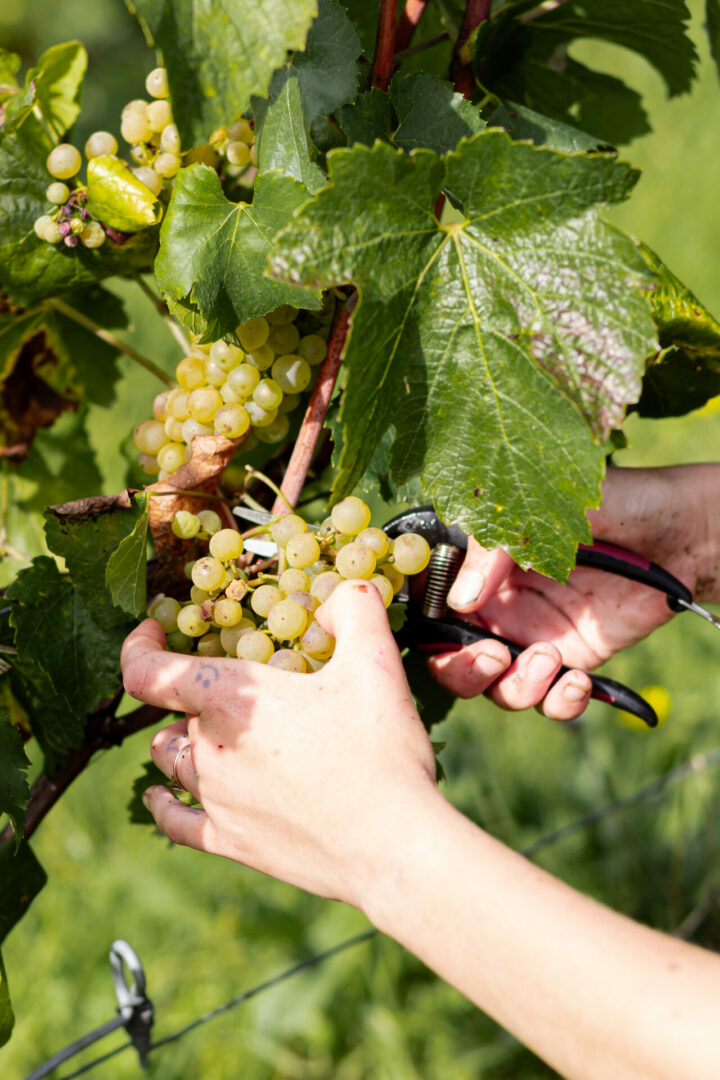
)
(299, 776)
(671, 516)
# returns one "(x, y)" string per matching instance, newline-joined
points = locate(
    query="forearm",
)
(592, 993)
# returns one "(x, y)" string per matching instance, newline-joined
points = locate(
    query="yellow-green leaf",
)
(118, 198)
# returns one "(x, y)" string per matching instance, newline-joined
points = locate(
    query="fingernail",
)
(541, 666)
(146, 798)
(486, 666)
(576, 691)
(466, 589)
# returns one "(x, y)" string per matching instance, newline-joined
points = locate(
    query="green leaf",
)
(118, 198)
(712, 25)
(138, 813)
(7, 1018)
(431, 114)
(21, 879)
(523, 123)
(217, 55)
(126, 572)
(32, 268)
(57, 82)
(213, 253)
(433, 702)
(14, 787)
(686, 372)
(465, 331)
(327, 68)
(67, 637)
(371, 117)
(9, 67)
(283, 143)
(397, 616)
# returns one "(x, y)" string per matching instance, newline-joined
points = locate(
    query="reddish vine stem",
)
(476, 12)
(104, 731)
(304, 449)
(384, 59)
(408, 22)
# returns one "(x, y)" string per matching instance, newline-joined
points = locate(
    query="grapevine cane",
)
(408, 23)
(476, 12)
(385, 45)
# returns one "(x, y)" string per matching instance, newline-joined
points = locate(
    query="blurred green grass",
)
(206, 929)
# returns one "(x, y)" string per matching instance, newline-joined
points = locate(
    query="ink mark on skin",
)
(207, 675)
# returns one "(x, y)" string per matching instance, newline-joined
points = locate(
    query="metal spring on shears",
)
(441, 571)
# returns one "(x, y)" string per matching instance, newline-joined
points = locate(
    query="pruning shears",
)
(430, 629)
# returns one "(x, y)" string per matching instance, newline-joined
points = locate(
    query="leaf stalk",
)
(384, 60)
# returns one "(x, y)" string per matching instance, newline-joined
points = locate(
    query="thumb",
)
(355, 615)
(480, 576)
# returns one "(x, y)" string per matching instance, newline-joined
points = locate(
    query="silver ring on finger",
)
(175, 780)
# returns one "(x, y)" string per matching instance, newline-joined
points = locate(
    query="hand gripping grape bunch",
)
(251, 613)
(223, 390)
(155, 149)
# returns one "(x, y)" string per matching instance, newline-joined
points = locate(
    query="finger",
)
(470, 671)
(356, 617)
(169, 680)
(480, 576)
(165, 750)
(528, 680)
(568, 698)
(182, 824)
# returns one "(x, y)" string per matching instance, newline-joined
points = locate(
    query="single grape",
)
(210, 645)
(174, 429)
(351, 515)
(287, 620)
(260, 417)
(92, 235)
(45, 229)
(156, 83)
(289, 402)
(165, 611)
(170, 139)
(202, 155)
(238, 153)
(261, 358)
(187, 569)
(284, 338)
(191, 428)
(253, 334)
(291, 373)
(208, 573)
(57, 193)
(100, 143)
(214, 374)
(317, 643)
(64, 161)
(376, 540)
(178, 642)
(302, 551)
(264, 599)
(141, 154)
(76, 226)
(171, 457)
(226, 545)
(411, 553)
(188, 453)
(267, 394)
(312, 348)
(186, 525)
(355, 561)
(276, 431)
(210, 521)
(137, 105)
(396, 579)
(202, 351)
(177, 404)
(148, 464)
(149, 437)
(199, 596)
(134, 127)
(291, 581)
(325, 583)
(305, 600)
(342, 540)
(243, 379)
(229, 396)
(191, 622)
(289, 525)
(167, 165)
(232, 421)
(254, 646)
(230, 635)
(158, 115)
(149, 178)
(227, 612)
(225, 355)
(160, 405)
(241, 131)
(204, 403)
(384, 587)
(282, 315)
(287, 660)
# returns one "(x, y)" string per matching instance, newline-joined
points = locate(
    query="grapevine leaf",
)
(89, 534)
(327, 68)
(371, 117)
(686, 372)
(712, 24)
(9, 67)
(53, 725)
(32, 269)
(138, 813)
(523, 123)
(21, 879)
(118, 198)
(65, 636)
(14, 787)
(432, 700)
(125, 575)
(283, 144)
(218, 54)
(213, 252)
(465, 331)
(431, 114)
(57, 83)
(7, 1018)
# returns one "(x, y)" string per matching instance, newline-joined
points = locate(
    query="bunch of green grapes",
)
(269, 617)
(227, 390)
